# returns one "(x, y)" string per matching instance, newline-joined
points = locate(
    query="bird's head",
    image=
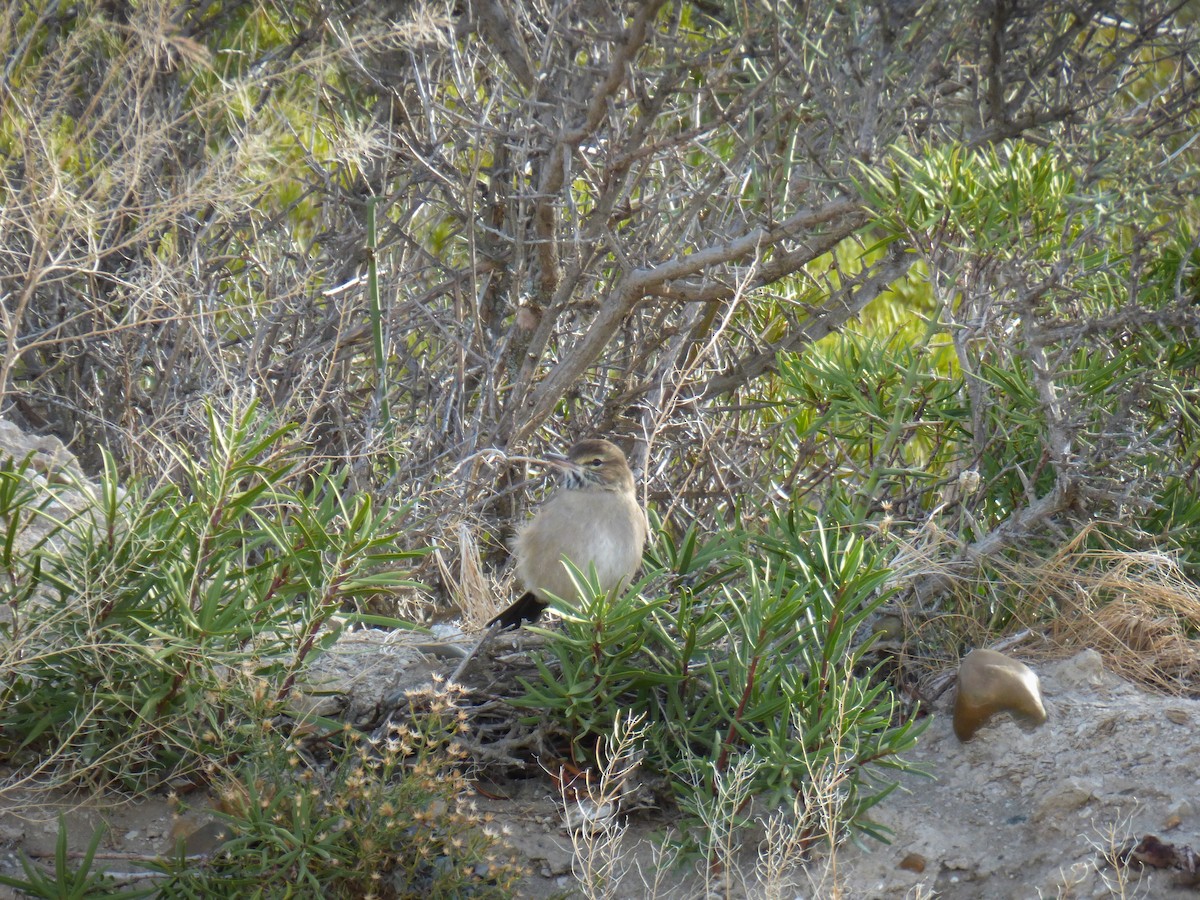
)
(594, 463)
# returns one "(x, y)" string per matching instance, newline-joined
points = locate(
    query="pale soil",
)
(1013, 814)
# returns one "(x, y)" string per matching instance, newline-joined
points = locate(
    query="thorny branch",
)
(589, 212)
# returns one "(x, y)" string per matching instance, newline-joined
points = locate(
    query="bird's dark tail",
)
(527, 609)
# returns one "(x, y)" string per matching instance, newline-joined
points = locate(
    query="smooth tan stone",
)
(989, 683)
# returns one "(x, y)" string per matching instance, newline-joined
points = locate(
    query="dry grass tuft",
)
(1138, 608)
(591, 813)
(469, 589)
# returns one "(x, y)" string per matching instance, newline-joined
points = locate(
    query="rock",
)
(46, 454)
(1178, 716)
(363, 672)
(62, 489)
(989, 683)
(1083, 670)
(205, 840)
(1180, 810)
(588, 817)
(1064, 797)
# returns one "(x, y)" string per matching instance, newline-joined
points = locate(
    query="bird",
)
(593, 519)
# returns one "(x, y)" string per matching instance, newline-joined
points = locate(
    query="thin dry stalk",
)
(591, 809)
(1120, 880)
(720, 812)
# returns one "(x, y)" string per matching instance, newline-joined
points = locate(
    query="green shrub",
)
(732, 660)
(884, 419)
(151, 629)
(372, 818)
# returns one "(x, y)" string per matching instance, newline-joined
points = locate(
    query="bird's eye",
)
(597, 462)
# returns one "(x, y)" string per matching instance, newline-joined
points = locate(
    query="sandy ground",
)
(1012, 814)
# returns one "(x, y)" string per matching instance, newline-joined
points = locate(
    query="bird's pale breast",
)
(606, 529)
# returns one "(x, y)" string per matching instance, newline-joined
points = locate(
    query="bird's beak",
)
(558, 461)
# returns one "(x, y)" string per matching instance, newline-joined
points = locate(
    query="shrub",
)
(765, 667)
(371, 818)
(150, 629)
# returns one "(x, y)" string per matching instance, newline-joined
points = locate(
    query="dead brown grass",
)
(1137, 608)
